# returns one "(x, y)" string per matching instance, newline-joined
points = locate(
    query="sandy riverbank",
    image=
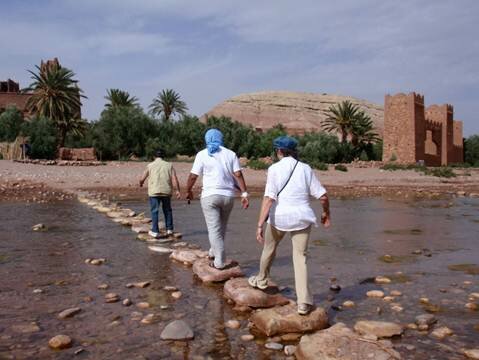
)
(122, 178)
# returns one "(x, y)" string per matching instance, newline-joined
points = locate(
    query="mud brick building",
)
(413, 133)
(10, 95)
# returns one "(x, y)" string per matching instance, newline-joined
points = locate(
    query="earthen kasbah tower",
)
(413, 133)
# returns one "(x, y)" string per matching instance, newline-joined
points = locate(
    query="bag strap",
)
(287, 181)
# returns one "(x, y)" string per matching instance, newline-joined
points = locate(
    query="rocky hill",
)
(298, 112)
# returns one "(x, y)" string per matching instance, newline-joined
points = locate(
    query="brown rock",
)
(233, 324)
(69, 313)
(60, 342)
(26, 328)
(242, 294)
(140, 228)
(112, 297)
(143, 305)
(442, 332)
(285, 319)
(208, 274)
(298, 112)
(341, 343)
(188, 256)
(380, 329)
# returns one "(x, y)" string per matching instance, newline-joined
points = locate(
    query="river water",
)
(352, 252)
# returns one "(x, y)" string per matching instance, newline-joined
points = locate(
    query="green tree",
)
(168, 103)
(42, 136)
(11, 121)
(117, 97)
(341, 118)
(471, 149)
(362, 131)
(123, 131)
(56, 95)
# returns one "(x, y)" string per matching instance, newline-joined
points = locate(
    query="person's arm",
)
(176, 183)
(144, 177)
(326, 215)
(189, 186)
(242, 185)
(263, 216)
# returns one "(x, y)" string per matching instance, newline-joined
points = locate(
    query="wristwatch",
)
(244, 194)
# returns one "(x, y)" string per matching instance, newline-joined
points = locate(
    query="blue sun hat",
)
(213, 139)
(285, 142)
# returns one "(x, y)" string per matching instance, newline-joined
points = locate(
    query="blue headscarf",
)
(213, 139)
(285, 142)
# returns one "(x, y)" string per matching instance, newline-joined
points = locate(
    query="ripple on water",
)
(471, 269)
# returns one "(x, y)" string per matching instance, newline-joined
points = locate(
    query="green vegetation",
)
(442, 171)
(340, 167)
(167, 103)
(257, 164)
(42, 134)
(11, 121)
(471, 149)
(118, 98)
(56, 96)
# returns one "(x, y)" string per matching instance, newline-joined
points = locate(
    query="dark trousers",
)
(167, 211)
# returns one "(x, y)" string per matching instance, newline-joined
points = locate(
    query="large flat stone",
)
(341, 343)
(285, 319)
(140, 228)
(206, 273)
(188, 256)
(177, 330)
(243, 294)
(381, 329)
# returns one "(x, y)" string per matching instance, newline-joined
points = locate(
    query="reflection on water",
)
(411, 243)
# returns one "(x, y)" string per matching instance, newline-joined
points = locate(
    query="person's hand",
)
(178, 194)
(326, 219)
(245, 202)
(141, 183)
(189, 195)
(259, 235)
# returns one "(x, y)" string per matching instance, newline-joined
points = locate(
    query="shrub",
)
(363, 156)
(42, 135)
(377, 151)
(471, 150)
(443, 171)
(257, 164)
(319, 148)
(318, 165)
(11, 121)
(341, 167)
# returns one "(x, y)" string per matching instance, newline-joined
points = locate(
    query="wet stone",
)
(60, 342)
(136, 316)
(289, 350)
(274, 346)
(442, 332)
(380, 329)
(26, 328)
(127, 302)
(148, 319)
(188, 256)
(206, 273)
(233, 324)
(375, 294)
(112, 297)
(170, 288)
(247, 337)
(176, 294)
(143, 305)
(382, 280)
(335, 287)
(177, 330)
(103, 286)
(39, 227)
(243, 294)
(160, 249)
(471, 353)
(349, 304)
(425, 319)
(68, 313)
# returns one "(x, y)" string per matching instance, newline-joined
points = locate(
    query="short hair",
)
(289, 152)
(159, 153)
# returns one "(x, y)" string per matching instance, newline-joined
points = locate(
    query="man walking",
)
(222, 175)
(161, 178)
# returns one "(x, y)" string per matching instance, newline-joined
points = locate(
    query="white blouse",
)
(291, 210)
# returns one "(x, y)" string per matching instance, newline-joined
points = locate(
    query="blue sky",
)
(211, 50)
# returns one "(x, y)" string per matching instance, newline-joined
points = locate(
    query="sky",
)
(211, 50)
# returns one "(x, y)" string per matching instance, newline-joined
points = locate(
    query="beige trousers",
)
(300, 240)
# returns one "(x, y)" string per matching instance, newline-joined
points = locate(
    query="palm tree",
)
(341, 118)
(56, 95)
(168, 103)
(117, 98)
(362, 130)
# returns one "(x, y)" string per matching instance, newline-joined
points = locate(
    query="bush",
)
(318, 165)
(341, 167)
(11, 121)
(443, 171)
(471, 150)
(363, 156)
(42, 135)
(123, 131)
(257, 164)
(377, 151)
(80, 141)
(317, 148)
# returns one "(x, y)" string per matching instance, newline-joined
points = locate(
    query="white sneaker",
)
(154, 234)
(260, 284)
(304, 309)
(169, 232)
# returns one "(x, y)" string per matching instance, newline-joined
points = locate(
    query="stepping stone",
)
(341, 343)
(102, 209)
(140, 228)
(188, 256)
(285, 319)
(160, 249)
(380, 329)
(243, 294)
(206, 273)
(114, 214)
(69, 313)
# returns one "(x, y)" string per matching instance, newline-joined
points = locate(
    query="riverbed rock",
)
(375, 294)
(247, 337)
(170, 288)
(148, 319)
(349, 304)
(273, 346)
(285, 319)
(243, 294)
(103, 287)
(188, 256)
(143, 305)
(127, 302)
(471, 353)
(472, 306)
(382, 280)
(39, 227)
(176, 294)
(26, 328)
(381, 329)
(68, 313)
(140, 228)
(233, 324)
(341, 343)
(160, 249)
(60, 342)
(424, 321)
(442, 332)
(177, 330)
(206, 273)
(396, 293)
(112, 297)
(140, 284)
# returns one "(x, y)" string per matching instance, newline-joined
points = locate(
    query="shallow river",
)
(352, 252)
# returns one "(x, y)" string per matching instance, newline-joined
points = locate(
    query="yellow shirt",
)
(159, 178)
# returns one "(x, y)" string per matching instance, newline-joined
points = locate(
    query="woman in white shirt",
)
(286, 209)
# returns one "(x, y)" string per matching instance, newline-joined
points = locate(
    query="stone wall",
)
(82, 154)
